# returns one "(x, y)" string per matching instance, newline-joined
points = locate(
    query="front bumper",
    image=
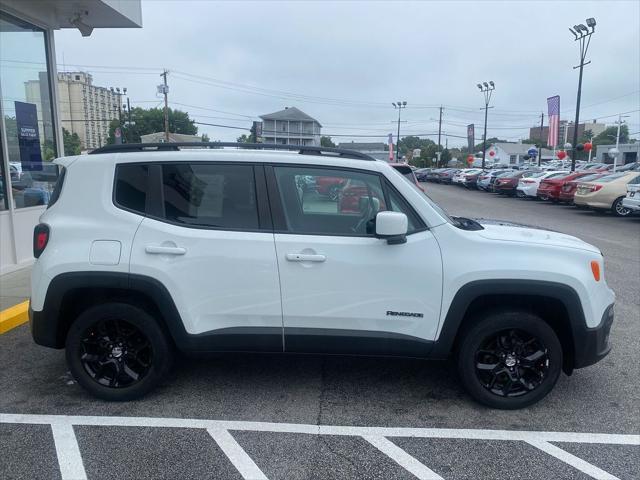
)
(592, 344)
(631, 203)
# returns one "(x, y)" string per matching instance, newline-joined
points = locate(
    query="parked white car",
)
(146, 248)
(528, 186)
(632, 200)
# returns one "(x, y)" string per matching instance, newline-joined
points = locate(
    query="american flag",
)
(391, 147)
(554, 119)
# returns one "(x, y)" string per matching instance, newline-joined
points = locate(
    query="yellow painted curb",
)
(14, 316)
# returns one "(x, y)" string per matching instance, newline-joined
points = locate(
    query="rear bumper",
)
(566, 197)
(551, 194)
(592, 344)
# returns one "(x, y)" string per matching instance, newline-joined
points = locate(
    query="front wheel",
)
(618, 209)
(117, 351)
(509, 360)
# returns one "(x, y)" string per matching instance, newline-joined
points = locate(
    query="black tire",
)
(117, 351)
(534, 381)
(618, 209)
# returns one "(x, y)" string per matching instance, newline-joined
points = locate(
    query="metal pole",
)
(484, 141)
(541, 140)
(575, 124)
(439, 133)
(129, 126)
(615, 159)
(166, 106)
(398, 137)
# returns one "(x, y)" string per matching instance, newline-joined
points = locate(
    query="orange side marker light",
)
(595, 269)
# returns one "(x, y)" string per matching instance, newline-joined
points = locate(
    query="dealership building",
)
(30, 122)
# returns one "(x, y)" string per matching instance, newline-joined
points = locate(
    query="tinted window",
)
(131, 187)
(335, 202)
(210, 195)
(635, 181)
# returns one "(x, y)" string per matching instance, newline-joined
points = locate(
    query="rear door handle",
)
(165, 250)
(305, 257)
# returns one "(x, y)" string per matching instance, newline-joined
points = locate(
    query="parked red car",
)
(329, 186)
(507, 184)
(550, 188)
(568, 189)
(353, 191)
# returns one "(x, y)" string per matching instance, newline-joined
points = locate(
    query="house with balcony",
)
(290, 126)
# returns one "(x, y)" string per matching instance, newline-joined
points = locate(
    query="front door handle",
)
(305, 257)
(165, 250)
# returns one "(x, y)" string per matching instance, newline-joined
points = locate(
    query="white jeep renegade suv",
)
(146, 249)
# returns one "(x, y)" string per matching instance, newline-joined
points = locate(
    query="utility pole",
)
(487, 89)
(165, 91)
(541, 128)
(439, 133)
(399, 106)
(615, 158)
(582, 35)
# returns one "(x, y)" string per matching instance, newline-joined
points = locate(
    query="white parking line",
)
(575, 462)
(402, 458)
(236, 454)
(69, 458)
(71, 467)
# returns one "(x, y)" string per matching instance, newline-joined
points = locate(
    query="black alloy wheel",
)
(118, 351)
(115, 353)
(512, 363)
(509, 359)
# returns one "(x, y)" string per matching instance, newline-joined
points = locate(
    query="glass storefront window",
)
(28, 117)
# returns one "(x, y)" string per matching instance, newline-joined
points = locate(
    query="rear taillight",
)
(593, 188)
(40, 239)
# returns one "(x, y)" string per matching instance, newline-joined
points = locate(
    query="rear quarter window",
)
(131, 187)
(57, 189)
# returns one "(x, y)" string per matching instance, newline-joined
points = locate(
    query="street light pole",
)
(487, 89)
(582, 34)
(615, 159)
(399, 106)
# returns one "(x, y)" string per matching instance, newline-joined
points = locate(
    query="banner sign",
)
(28, 136)
(471, 141)
(390, 141)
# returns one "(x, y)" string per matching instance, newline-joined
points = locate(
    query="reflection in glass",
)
(28, 116)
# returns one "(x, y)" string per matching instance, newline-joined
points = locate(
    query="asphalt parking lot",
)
(285, 417)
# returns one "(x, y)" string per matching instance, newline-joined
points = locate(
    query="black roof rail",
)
(175, 146)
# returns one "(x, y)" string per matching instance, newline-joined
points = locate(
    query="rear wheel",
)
(117, 351)
(618, 209)
(509, 360)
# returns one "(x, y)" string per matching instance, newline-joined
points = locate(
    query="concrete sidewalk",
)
(15, 287)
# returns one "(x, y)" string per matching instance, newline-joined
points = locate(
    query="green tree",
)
(608, 136)
(445, 156)
(205, 137)
(244, 138)
(326, 142)
(151, 120)
(71, 142)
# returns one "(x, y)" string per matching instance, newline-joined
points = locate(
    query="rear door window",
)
(209, 195)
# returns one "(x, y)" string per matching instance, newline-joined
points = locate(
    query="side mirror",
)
(392, 226)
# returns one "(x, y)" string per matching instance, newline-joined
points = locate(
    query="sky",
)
(344, 63)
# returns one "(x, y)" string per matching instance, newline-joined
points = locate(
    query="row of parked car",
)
(594, 186)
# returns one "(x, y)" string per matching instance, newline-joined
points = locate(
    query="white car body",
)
(632, 200)
(307, 287)
(529, 186)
